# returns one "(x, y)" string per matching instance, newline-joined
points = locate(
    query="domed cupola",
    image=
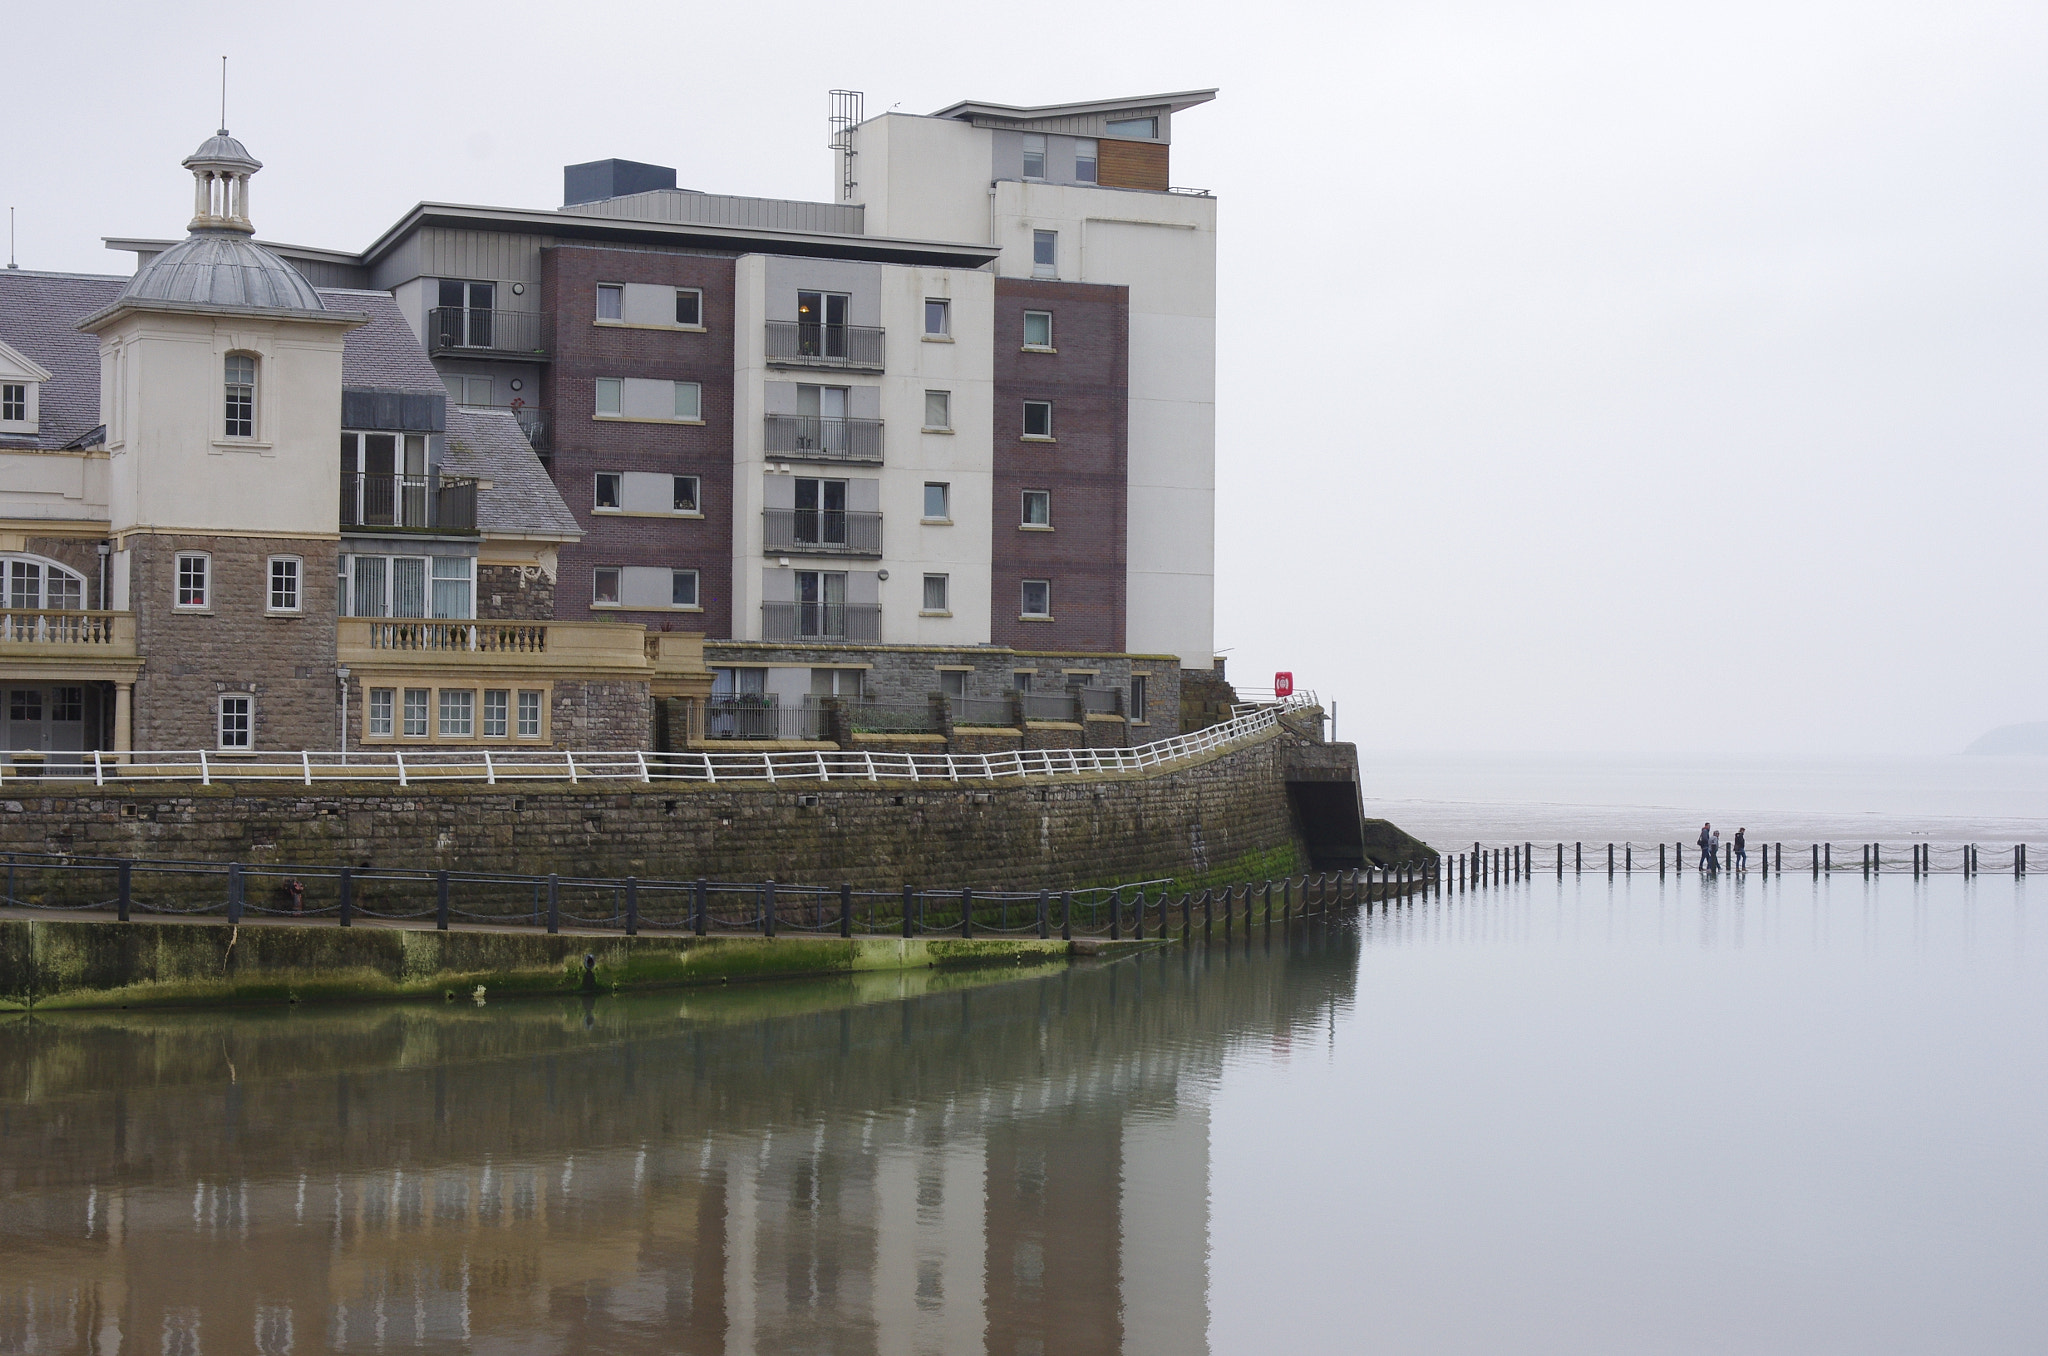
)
(220, 170)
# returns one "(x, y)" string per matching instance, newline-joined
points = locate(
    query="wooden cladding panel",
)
(1131, 164)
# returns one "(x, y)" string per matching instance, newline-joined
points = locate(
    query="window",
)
(192, 581)
(610, 494)
(608, 395)
(1034, 155)
(497, 709)
(611, 301)
(14, 395)
(416, 712)
(237, 721)
(1022, 680)
(938, 501)
(689, 307)
(938, 409)
(952, 682)
(1045, 254)
(1037, 601)
(604, 586)
(458, 713)
(380, 710)
(689, 400)
(1038, 419)
(1148, 128)
(935, 593)
(463, 390)
(686, 494)
(1084, 160)
(408, 586)
(1038, 329)
(463, 319)
(284, 583)
(33, 583)
(452, 588)
(1038, 508)
(682, 588)
(241, 396)
(1135, 710)
(821, 324)
(67, 704)
(938, 317)
(529, 715)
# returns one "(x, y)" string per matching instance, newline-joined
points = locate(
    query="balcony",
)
(808, 437)
(820, 621)
(479, 332)
(406, 503)
(820, 532)
(51, 633)
(805, 343)
(759, 717)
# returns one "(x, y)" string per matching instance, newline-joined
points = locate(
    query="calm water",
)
(1586, 1116)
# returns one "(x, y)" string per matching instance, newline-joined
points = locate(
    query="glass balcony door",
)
(820, 603)
(466, 313)
(820, 512)
(821, 324)
(821, 419)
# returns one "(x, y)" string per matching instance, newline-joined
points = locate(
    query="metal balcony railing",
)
(892, 718)
(821, 532)
(809, 437)
(759, 717)
(805, 343)
(486, 332)
(428, 503)
(1049, 706)
(991, 711)
(820, 621)
(1101, 701)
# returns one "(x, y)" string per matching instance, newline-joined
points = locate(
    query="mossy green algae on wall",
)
(63, 963)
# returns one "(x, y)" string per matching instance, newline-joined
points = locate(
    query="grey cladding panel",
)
(861, 282)
(721, 209)
(485, 256)
(399, 411)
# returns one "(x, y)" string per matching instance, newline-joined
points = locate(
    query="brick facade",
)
(1087, 380)
(584, 445)
(286, 662)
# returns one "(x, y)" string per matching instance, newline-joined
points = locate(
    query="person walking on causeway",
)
(1741, 850)
(1706, 847)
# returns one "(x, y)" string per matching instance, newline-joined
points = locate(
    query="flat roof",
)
(1172, 103)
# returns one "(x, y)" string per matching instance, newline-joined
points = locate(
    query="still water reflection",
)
(926, 1163)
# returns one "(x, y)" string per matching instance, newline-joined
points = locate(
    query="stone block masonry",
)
(1069, 832)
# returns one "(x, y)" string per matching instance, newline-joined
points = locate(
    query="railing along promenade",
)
(1486, 866)
(404, 767)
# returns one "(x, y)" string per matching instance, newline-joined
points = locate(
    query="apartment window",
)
(938, 501)
(604, 585)
(1037, 600)
(608, 395)
(610, 494)
(611, 301)
(380, 710)
(1045, 254)
(529, 715)
(452, 595)
(689, 400)
(1038, 419)
(686, 494)
(682, 588)
(284, 583)
(14, 395)
(938, 409)
(938, 318)
(952, 682)
(35, 584)
(935, 593)
(241, 396)
(497, 712)
(1022, 681)
(1084, 160)
(1038, 508)
(1038, 329)
(689, 307)
(194, 581)
(416, 712)
(237, 721)
(1034, 155)
(1148, 128)
(1136, 707)
(458, 713)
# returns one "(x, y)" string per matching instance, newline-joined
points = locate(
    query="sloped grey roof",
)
(222, 269)
(384, 355)
(488, 444)
(37, 315)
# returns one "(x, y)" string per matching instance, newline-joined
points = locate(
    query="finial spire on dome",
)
(220, 169)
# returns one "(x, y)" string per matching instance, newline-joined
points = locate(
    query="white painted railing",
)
(407, 767)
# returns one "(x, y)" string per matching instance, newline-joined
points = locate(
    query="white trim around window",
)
(646, 494)
(646, 588)
(192, 582)
(1035, 600)
(235, 722)
(286, 591)
(644, 400)
(436, 714)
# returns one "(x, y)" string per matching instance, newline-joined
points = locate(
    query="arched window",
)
(34, 583)
(241, 396)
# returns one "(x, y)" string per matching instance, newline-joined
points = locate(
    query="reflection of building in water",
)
(1019, 1168)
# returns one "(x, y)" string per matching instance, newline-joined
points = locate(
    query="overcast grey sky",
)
(1592, 376)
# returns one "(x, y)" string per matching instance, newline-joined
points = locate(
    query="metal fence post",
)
(124, 890)
(1208, 912)
(906, 910)
(441, 900)
(554, 902)
(845, 910)
(700, 905)
(234, 892)
(1116, 913)
(348, 893)
(632, 906)
(768, 908)
(1044, 924)
(967, 912)
(1066, 915)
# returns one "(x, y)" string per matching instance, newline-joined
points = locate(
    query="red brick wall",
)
(583, 446)
(1085, 468)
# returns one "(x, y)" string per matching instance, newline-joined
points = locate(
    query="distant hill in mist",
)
(2029, 738)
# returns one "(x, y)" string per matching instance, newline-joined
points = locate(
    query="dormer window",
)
(20, 384)
(241, 397)
(14, 402)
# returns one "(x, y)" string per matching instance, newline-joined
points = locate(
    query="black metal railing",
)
(990, 711)
(821, 532)
(810, 437)
(820, 621)
(486, 332)
(761, 717)
(1049, 706)
(433, 502)
(1099, 700)
(892, 718)
(815, 344)
(534, 424)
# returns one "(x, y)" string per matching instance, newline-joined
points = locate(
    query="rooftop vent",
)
(597, 180)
